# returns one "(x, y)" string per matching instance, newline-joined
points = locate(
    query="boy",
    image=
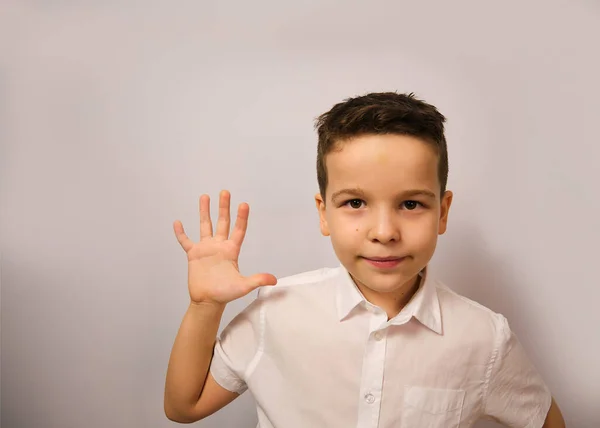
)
(375, 342)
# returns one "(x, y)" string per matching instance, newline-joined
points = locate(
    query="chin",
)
(382, 283)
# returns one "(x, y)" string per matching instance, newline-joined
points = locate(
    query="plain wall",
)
(116, 116)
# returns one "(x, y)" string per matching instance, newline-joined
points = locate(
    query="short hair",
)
(376, 114)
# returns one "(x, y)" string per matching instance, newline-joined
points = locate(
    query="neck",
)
(392, 303)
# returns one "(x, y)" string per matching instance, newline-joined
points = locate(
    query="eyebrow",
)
(360, 193)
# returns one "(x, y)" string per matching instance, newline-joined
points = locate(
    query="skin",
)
(191, 393)
(383, 200)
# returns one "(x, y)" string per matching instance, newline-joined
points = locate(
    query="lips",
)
(384, 262)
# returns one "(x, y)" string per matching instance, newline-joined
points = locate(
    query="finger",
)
(185, 242)
(223, 222)
(241, 224)
(206, 228)
(259, 280)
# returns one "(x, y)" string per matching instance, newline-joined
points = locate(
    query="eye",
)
(354, 203)
(411, 205)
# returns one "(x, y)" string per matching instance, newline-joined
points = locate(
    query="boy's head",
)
(382, 167)
(380, 114)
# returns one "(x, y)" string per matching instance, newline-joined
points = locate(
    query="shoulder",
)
(463, 306)
(469, 319)
(311, 281)
(296, 296)
(284, 304)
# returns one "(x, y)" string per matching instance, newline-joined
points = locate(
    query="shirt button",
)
(378, 336)
(370, 398)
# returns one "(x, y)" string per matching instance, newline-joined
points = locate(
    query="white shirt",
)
(314, 353)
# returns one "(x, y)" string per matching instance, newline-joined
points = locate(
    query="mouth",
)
(384, 262)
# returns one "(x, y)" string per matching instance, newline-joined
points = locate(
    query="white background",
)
(116, 116)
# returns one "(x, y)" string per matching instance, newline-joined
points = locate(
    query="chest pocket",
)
(432, 408)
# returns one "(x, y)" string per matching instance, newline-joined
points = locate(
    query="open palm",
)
(213, 272)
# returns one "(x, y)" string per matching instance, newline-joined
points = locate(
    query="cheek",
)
(341, 222)
(345, 231)
(422, 233)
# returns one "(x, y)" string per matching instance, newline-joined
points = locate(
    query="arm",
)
(554, 419)
(191, 393)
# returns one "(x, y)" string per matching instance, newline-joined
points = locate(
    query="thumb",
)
(260, 280)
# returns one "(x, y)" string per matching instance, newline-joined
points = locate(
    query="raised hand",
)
(213, 272)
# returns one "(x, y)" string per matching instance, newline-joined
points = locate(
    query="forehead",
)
(383, 163)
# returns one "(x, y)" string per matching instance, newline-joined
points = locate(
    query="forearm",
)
(191, 356)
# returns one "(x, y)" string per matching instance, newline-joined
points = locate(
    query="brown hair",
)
(380, 113)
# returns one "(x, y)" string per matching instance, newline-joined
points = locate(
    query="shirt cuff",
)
(224, 375)
(537, 421)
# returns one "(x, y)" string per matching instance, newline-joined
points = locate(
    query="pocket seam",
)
(455, 397)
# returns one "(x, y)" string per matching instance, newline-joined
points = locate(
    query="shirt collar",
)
(348, 295)
(424, 305)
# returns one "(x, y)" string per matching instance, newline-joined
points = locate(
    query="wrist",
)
(213, 307)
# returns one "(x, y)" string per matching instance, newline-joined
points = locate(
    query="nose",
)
(384, 229)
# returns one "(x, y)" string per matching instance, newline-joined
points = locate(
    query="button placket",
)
(372, 373)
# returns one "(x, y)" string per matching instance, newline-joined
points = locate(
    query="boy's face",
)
(383, 210)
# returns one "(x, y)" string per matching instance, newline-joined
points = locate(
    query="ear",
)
(444, 209)
(321, 209)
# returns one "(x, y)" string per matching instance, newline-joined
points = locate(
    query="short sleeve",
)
(236, 348)
(516, 394)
